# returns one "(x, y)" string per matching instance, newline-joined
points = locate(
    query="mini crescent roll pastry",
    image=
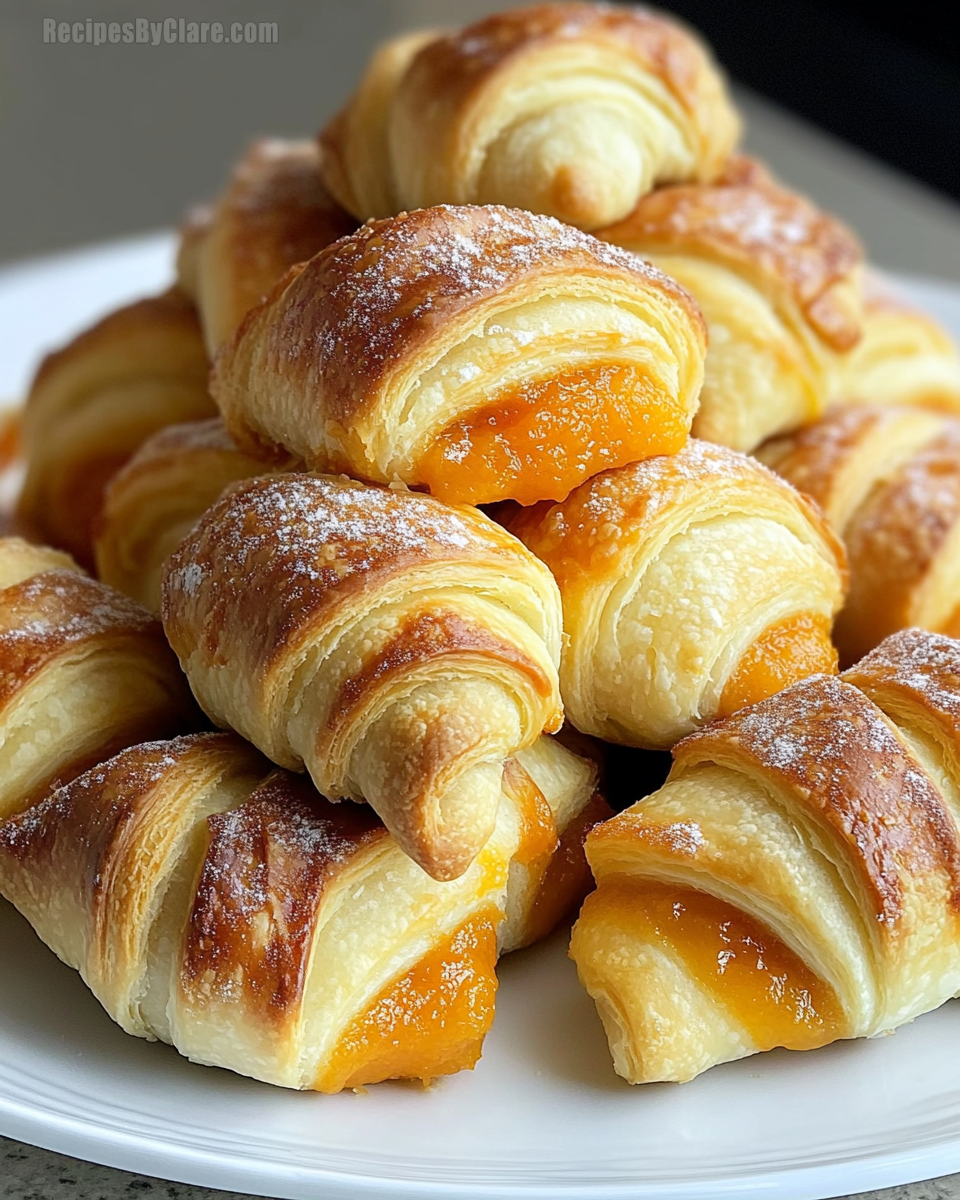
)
(692, 584)
(904, 356)
(256, 926)
(573, 110)
(397, 648)
(275, 212)
(156, 498)
(797, 878)
(92, 404)
(483, 353)
(888, 481)
(779, 285)
(83, 672)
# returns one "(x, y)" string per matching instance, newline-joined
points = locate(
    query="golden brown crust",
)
(383, 293)
(753, 224)
(453, 66)
(157, 497)
(44, 615)
(832, 750)
(169, 315)
(812, 458)
(251, 926)
(306, 544)
(274, 213)
(920, 669)
(895, 539)
(93, 403)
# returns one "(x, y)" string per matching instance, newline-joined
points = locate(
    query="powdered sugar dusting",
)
(825, 744)
(915, 661)
(394, 275)
(299, 537)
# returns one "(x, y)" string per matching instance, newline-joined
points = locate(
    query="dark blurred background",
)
(855, 106)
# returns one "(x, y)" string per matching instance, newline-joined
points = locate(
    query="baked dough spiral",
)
(83, 672)
(274, 213)
(398, 648)
(797, 878)
(779, 284)
(157, 498)
(573, 110)
(692, 584)
(483, 353)
(888, 481)
(904, 356)
(92, 403)
(256, 926)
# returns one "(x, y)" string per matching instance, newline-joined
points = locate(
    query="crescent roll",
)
(275, 212)
(779, 285)
(888, 481)
(692, 585)
(92, 403)
(482, 353)
(83, 672)
(232, 911)
(156, 499)
(795, 881)
(573, 110)
(397, 648)
(904, 356)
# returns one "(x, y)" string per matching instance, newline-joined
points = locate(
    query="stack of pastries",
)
(517, 416)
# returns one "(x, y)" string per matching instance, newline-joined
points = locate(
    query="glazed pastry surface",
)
(274, 213)
(483, 353)
(795, 880)
(156, 499)
(398, 648)
(572, 110)
(95, 401)
(223, 906)
(779, 285)
(692, 584)
(888, 480)
(83, 672)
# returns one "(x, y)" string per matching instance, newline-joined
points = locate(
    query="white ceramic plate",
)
(543, 1116)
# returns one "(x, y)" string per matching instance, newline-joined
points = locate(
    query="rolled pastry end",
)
(783, 654)
(684, 981)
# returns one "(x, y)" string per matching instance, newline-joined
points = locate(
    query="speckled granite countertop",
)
(30, 1174)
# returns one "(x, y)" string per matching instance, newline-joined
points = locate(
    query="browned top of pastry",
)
(169, 315)
(276, 212)
(267, 864)
(750, 220)
(453, 65)
(42, 617)
(394, 284)
(88, 817)
(904, 523)
(920, 667)
(825, 743)
(812, 457)
(305, 543)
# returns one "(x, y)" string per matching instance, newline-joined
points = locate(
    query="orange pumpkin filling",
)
(763, 985)
(539, 441)
(783, 654)
(429, 1022)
